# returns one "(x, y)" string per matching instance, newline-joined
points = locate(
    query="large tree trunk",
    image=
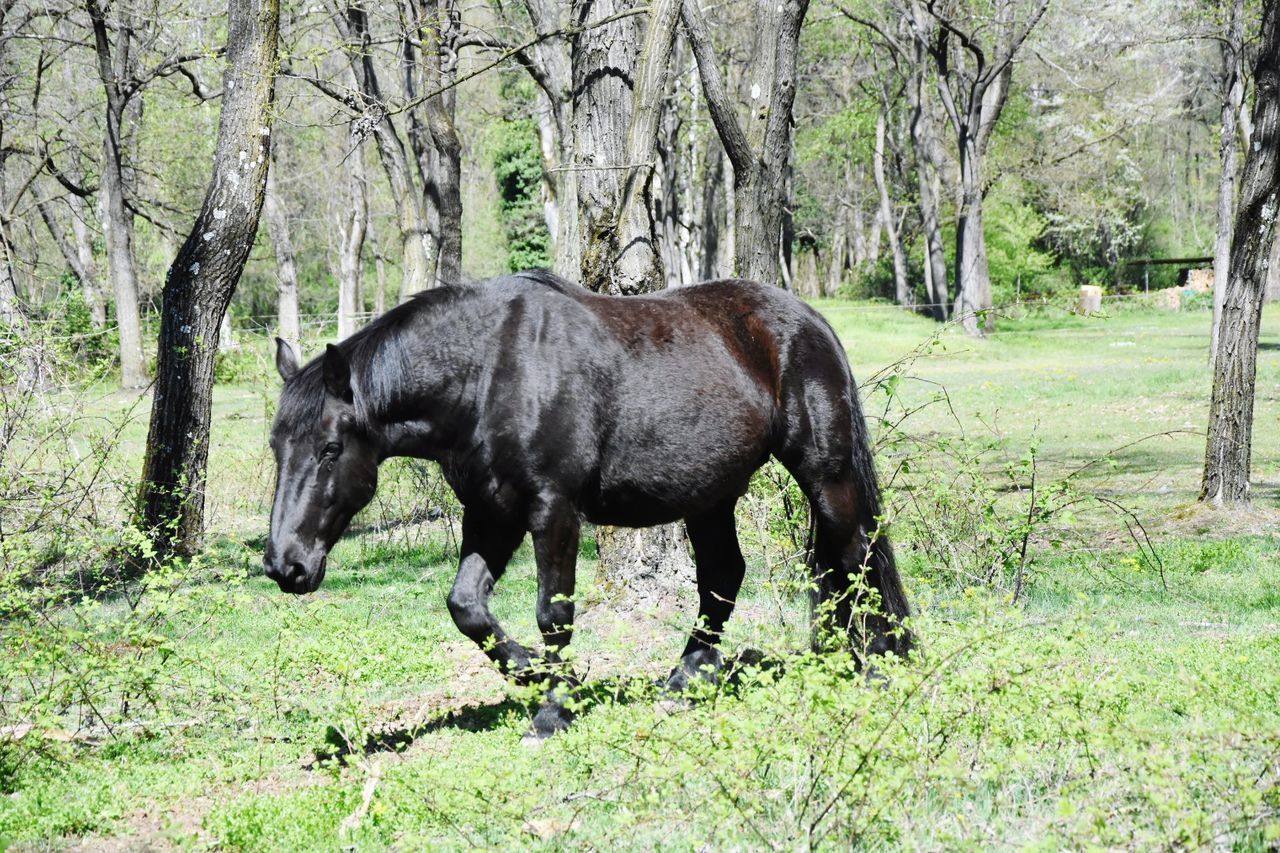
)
(201, 281)
(287, 319)
(1227, 452)
(117, 221)
(619, 76)
(1232, 98)
(353, 214)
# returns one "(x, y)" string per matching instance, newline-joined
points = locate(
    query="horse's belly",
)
(659, 479)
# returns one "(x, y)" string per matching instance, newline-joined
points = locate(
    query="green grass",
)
(1124, 700)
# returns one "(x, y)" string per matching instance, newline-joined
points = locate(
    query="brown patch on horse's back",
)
(735, 309)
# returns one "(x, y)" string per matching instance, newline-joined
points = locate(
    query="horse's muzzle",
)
(293, 575)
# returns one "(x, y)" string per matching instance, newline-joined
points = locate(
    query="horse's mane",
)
(378, 357)
(378, 354)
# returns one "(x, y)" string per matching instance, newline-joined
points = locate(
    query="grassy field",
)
(1099, 661)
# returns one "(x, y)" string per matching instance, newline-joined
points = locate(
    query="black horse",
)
(545, 404)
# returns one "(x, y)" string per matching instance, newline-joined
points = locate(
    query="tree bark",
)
(288, 322)
(1229, 445)
(117, 221)
(924, 143)
(438, 26)
(1232, 98)
(200, 283)
(550, 65)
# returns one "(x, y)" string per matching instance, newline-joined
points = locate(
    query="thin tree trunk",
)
(201, 281)
(287, 319)
(1229, 445)
(713, 194)
(973, 278)
(417, 257)
(902, 290)
(352, 216)
(117, 221)
(439, 27)
(1232, 97)
(924, 142)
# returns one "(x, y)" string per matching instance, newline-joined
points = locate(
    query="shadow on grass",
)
(489, 716)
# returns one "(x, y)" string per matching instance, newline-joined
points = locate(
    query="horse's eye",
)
(332, 449)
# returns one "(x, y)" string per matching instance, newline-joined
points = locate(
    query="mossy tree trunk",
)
(200, 283)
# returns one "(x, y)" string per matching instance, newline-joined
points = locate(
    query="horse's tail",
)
(881, 567)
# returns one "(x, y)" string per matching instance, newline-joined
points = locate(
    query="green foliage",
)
(1013, 231)
(517, 166)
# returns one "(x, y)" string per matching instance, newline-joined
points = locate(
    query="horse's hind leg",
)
(720, 569)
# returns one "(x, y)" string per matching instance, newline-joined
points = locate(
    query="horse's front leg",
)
(555, 527)
(487, 546)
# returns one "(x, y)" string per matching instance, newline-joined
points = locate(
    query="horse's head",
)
(326, 467)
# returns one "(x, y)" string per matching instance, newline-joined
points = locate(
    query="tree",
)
(201, 281)
(114, 70)
(352, 210)
(1227, 451)
(973, 80)
(759, 151)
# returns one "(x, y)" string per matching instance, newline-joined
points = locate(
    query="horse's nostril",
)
(297, 572)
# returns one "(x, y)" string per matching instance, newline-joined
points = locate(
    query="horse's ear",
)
(337, 374)
(286, 359)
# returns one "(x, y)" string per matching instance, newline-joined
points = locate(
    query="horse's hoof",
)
(550, 719)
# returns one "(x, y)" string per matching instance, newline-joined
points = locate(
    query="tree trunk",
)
(1232, 97)
(439, 28)
(201, 281)
(924, 143)
(550, 65)
(117, 222)
(973, 279)
(287, 320)
(1227, 451)
(353, 213)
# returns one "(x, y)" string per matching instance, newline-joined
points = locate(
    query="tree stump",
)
(1090, 300)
